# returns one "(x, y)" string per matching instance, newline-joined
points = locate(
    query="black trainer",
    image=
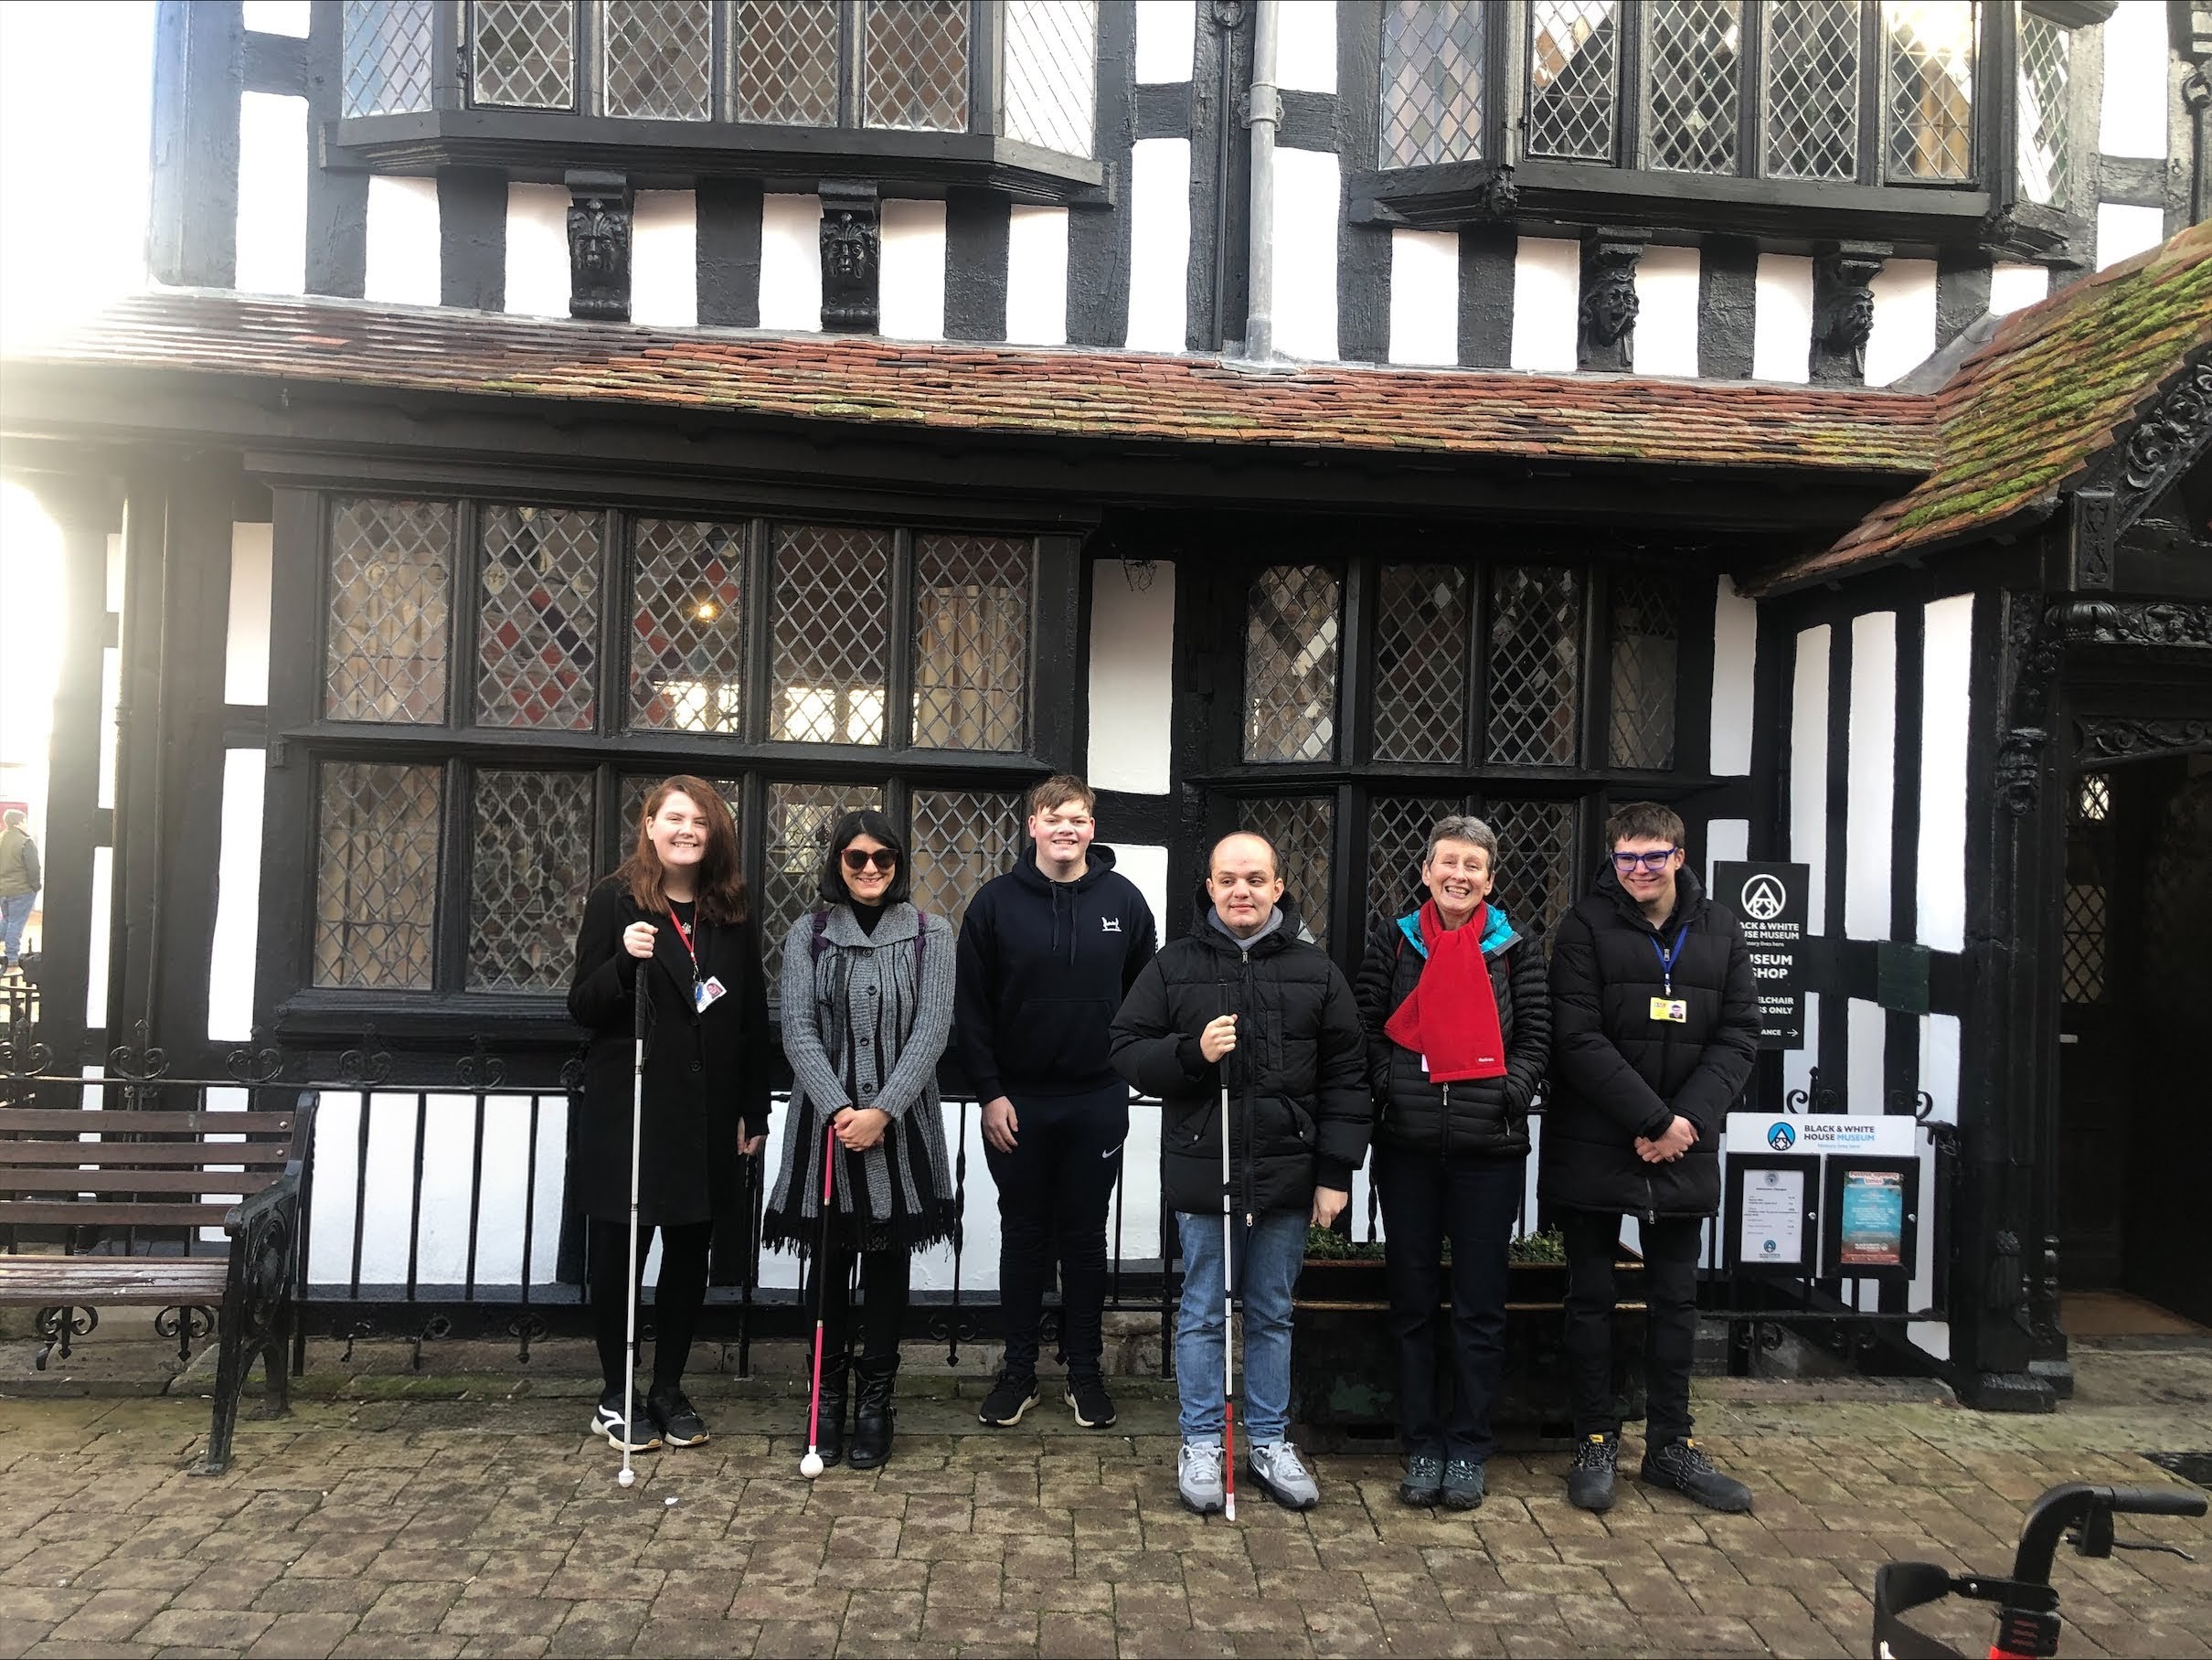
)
(679, 1421)
(1093, 1407)
(1009, 1398)
(1424, 1483)
(1682, 1465)
(1463, 1483)
(644, 1434)
(1590, 1482)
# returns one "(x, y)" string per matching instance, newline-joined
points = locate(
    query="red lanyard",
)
(684, 934)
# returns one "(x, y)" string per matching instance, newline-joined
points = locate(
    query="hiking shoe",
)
(1093, 1407)
(679, 1421)
(1590, 1482)
(1424, 1480)
(1198, 1477)
(1681, 1464)
(1283, 1477)
(608, 1421)
(1463, 1483)
(1009, 1398)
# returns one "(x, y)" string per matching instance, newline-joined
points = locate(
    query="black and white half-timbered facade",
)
(1316, 416)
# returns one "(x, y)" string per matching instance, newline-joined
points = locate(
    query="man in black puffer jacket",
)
(1245, 1009)
(1655, 1028)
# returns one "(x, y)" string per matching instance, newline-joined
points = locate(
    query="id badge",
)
(1676, 1009)
(705, 992)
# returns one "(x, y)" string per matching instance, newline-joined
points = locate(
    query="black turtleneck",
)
(867, 916)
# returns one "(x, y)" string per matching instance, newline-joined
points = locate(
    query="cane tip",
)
(811, 1465)
(626, 1477)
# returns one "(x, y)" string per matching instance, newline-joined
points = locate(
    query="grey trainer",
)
(1283, 1477)
(1198, 1477)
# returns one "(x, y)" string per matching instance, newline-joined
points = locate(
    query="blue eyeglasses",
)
(1626, 862)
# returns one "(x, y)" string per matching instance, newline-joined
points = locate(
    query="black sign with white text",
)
(1769, 900)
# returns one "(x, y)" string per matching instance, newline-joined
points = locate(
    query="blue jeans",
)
(14, 911)
(1272, 1252)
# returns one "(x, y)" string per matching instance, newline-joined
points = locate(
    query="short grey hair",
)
(15, 815)
(1462, 828)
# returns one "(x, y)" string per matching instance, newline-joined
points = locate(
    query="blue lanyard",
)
(1667, 957)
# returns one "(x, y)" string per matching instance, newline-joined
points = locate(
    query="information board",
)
(1769, 900)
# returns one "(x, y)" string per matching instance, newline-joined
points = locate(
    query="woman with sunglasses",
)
(672, 925)
(868, 1006)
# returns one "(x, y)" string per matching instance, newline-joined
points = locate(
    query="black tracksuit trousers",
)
(1671, 1247)
(1054, 1190)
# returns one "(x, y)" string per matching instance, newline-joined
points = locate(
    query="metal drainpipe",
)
(1263, 116)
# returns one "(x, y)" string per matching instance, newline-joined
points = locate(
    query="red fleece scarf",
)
(1450, 1016)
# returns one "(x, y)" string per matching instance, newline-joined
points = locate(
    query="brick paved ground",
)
(493, 1527)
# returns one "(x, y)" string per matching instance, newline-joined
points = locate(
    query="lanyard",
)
(1667, 957)
(684, 934)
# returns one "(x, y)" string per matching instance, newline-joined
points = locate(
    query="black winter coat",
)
(1617, 1073)
(1297, 1078)
(1483, 1117)
(703, 1073)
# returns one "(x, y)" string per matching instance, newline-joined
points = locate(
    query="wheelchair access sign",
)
(1769, 900)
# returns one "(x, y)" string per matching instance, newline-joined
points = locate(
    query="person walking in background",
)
(672, 925)
(1655, 1028)
(1047, 954)
(867, 1005)
(1459, 1032)
(20, 879)
(1246, 1014)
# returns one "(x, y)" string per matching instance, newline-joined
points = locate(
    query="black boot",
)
(829, 1435)
(872, 1414)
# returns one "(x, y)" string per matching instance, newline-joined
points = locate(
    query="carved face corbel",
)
(599, 246)
(1843, 311)
(851, 255)
(1607, 315)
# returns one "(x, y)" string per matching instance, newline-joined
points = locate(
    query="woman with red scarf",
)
(1459, 1031)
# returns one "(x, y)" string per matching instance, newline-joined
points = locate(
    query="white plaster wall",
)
(1305, 46)
(1159, 234)
(272, 194)
(1546, 293)
(1871, 798)
(402, 237)
(1946, 677)
(2012, 286)
(2134, 120)
(1132, 654)
(1667, 312)
(238, 899)
(1781, 318)
(1868, 1031)
(1939, 1078)
(110, 699)
(913, 270)
(1903, 333)
(1424, 296)
(1037, 276)
(790, 263)
(246, 639)
(1797, 1064)
(1735, 667)
(1305, 254)
(665, 259)
(96, 973)
(538, 251)
(276, 16)
(1166, 38)
(1726, 841)
(1809, 770)
(2123, 231)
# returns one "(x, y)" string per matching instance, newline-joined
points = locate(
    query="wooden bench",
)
(102, 1206)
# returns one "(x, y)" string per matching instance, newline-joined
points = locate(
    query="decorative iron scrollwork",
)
(137, 1063)
(572, 1075)
(58, 1325)
(184, 1322)
(434, 1329)
(256, 1063)
(368, 1066)
(24, 1057)
(480, 1068)
(526, 1329)
(1814, 1098)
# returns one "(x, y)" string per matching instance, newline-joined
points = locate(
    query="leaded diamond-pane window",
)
(656, 59)
(831, 635)
(1535, 665)
(1050, 78)
(1692, 86)
(916, 57)
(1421, 663)
(537, 619)
(2046, 162)
(530, 851)
(385, 46)
(1290, 641)
(523, 54)
(1573, 79)
(1302, 829)
(1432, 67)
(1536, 873)
(971, 641)
(962, 838)
(390, 568)
(800, 818)
(375, 874)
(2083, 945)
(1646, 635)
(1812, 89)
(1929, 46)
(688, 627)
(786, 71)
(1398, 833)
(2093, 801)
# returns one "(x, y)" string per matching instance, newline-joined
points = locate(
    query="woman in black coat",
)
(674, 920)
(1453, 1070)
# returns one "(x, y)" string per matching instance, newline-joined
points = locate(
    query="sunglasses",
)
(1626, 862)
(883, 858)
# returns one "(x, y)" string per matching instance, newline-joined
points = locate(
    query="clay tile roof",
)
(1118, 395)
(2030, 412)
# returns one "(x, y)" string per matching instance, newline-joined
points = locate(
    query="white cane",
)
(630, 1286)
(1228, 1331)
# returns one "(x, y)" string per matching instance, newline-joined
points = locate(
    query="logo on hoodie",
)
(1110, 925)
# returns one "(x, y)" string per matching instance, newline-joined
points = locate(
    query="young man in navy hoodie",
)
(1047, 954)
